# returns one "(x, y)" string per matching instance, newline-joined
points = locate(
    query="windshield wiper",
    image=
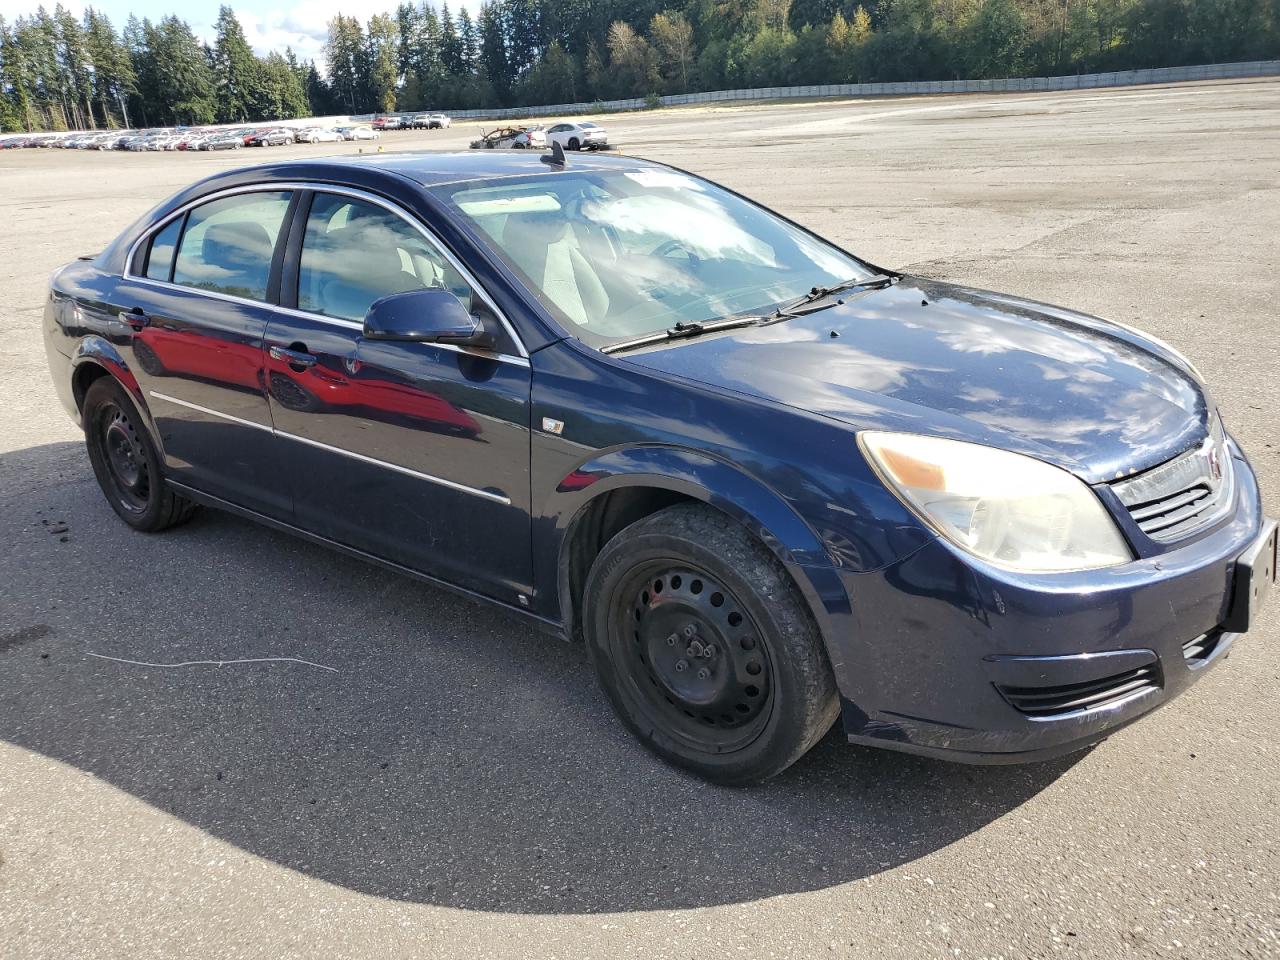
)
(811, 300)
(809, 303)
(683, 331)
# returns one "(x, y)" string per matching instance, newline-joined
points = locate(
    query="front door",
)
(195, 303)
(417, 453)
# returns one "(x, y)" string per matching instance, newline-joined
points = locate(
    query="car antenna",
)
(557, 155)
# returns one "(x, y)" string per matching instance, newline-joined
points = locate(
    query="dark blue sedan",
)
(767, 484)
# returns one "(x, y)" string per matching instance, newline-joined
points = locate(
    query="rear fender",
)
(100, 352)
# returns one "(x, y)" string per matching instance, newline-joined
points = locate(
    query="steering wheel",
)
(668, 247)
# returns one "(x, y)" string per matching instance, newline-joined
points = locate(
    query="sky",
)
(268, 24)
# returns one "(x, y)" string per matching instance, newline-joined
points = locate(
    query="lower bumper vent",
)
(1202, 647)
(1051, 702)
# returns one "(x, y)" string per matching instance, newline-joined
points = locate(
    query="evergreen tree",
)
(384, 43)
(451, 49)
(77, 73)
(469, 41)
(237, 73)
(494, 59)
(113, 79)
(346, 57)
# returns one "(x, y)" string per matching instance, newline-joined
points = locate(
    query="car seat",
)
(543, 246)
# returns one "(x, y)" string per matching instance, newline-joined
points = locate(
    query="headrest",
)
(238, 244)
(530, 231)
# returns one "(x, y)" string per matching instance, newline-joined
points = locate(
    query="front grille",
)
(1069, 698)
(1182, 495)
(1201, 648)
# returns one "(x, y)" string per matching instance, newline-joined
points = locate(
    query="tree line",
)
(58, 71)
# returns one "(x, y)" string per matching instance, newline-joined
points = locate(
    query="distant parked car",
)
(511, 138)
(271, 138)
(437, 121)
(231, 140)
(578, 136)
(387, 123)
(192, 140)
(320, 135)
(360, 132)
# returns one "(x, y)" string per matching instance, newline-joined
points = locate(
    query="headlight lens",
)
(1014, 511)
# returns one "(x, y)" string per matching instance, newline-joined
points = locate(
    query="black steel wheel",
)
(697, 661)
(705, 647)
(126, 462)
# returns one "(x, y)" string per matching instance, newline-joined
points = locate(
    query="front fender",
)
(741, 497)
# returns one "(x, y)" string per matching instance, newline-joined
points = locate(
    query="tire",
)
(688, 586)
(126, 461)
(573, 144)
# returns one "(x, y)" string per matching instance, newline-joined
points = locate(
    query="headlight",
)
(1014, 511)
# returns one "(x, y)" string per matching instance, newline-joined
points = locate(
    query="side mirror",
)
(430, 315)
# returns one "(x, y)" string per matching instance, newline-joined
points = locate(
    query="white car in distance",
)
(362, 132)
(583, 135)
(320, 135)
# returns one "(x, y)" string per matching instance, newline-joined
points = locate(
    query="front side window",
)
(620, 254)
(227, 244)
(354, 253)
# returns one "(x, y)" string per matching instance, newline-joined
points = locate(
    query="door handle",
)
(294, 358)
(135, 318)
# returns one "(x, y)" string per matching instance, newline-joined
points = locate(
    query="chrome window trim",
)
(440, 481)
(150, 232)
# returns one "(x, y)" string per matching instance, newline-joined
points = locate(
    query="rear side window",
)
(354, 253)
(228, 243)
(160, 256)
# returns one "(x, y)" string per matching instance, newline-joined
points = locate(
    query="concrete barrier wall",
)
(1123, 78)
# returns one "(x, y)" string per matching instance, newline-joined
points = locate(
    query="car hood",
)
(925, 357)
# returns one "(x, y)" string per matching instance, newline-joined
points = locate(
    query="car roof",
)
(433, 169)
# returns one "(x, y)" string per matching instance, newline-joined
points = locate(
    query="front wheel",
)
(705, 647)
(126, 461)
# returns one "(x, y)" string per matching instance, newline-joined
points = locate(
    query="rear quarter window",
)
(160, 253)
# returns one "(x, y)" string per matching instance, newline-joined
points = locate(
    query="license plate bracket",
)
(1255, 576)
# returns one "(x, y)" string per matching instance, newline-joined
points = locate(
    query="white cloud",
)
(303, 26)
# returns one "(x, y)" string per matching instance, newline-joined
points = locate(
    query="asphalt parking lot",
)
(440, 782)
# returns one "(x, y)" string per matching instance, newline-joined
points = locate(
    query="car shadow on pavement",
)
(448, 754)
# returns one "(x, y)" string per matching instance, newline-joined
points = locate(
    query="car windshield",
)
(615, 255)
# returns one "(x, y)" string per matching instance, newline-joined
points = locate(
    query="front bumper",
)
(969, 662)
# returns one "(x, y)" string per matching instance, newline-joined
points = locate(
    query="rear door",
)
(415, 452)
(195, 302)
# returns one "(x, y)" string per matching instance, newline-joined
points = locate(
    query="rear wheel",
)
(705, 647)
(127, 463)
(574, 143)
